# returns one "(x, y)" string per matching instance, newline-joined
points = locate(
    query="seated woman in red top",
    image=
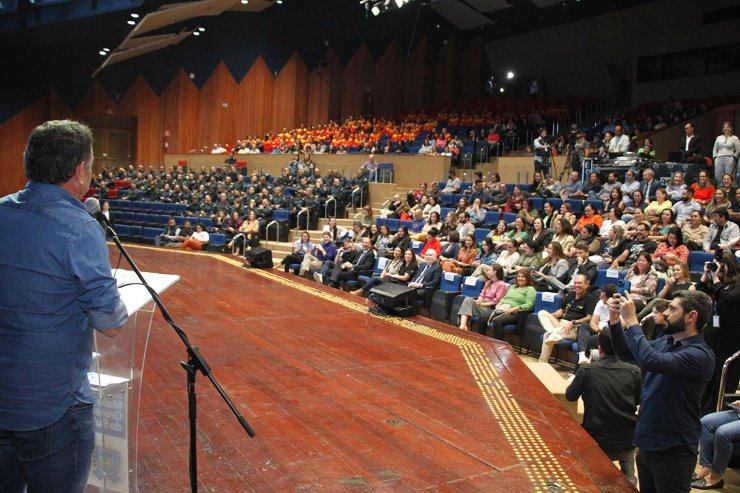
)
(589, 217)
(432, 242)
(703, 189)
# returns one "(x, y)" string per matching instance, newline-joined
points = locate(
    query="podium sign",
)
(115, 378)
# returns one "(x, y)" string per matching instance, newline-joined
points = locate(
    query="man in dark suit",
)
(691, 146)
(362, 264)
(649, 185)
(429, 275)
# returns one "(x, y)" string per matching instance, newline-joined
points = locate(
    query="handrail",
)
(723, 381)
(267, 230)
(308, 218)
(326, 207)
(354, 192)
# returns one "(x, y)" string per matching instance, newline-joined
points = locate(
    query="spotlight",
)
(399, 3)
(501, 89)
(279, 2)
(196, 33)
(375, 10)
(244, 2)
(135, 16)
(107, 50)
(131, 23)
(103, 52)
(509, 74)
(202, 29)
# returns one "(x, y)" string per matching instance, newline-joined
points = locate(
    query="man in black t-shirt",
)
(578, 305)
(635, 247)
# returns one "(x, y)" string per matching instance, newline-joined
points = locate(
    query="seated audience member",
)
(465, 256)
(629, 186)
(647, 151)
(612, 183)
(417, 224)
(679, 279)
(676, 186)
(477, 213)
(451, 247)
(670, 251)
(449, 225)
(649, 185)
(683, 208)
(347, 253)
(326, 250)
(482, 306)
(572, 186)
(516, 201)
(720, 199)
(530, 257)
(169, 235)
(599, 321)
(400, 239)
(591, 189)
(734, 210)
(659, 230)
(703, 189)
(519, 297)
(589, 235)
(498, 234)
(555, 267)
(428, 276)
(582, 265)
(486, 257)
(300, 248)
(540, 235)
(719, 432)
(248, 235)
(509, 256)
(337, 233)
(634, 247)
(657, 206)
(614, 245)
(362, 264)
(577, 308)
(497, 200)
(197, 240)
(643, 280)
(564, 234)
(432, 243)
(589, 217)
(630, 228)
(518, 234)
(613, 218)
(382, 240)
(695, 232)
(392, 272)
(723, 234)
(453, 183)
(566, 213)
(464, 226)
(528, 213)
(433, 221)
(611, 392)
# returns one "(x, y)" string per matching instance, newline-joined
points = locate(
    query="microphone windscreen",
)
(92, 205)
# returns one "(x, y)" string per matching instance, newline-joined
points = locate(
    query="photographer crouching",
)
(721, 281)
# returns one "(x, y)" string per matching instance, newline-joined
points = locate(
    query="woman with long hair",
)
(728, 185)
(392, 272)
(566, 212)
(528, 213)
(449, 225)
(720, 199)
(462, 206)
(432, 222)
(538, 185)
(249, 234)
(519, 297)
(465, 256)
(676, 187)
(615, 200)
(382, 240)
(590, 216)
(400, 239)
(564, 234)
(721, 281)
(678, 280)
(703, 189)
(548, 215)
(498, 234)
(540, 236)
(659, 230)
(556, 265)
(643, 280)
(300, 248)
(671, 250)
(516, 200)
(482, 264)
(518, 234)
(493, 290)
(197, 240)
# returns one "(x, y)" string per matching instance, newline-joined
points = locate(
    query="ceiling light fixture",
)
(196, 33)
(131, 23)
(135, 15)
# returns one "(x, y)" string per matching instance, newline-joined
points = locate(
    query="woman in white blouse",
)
(726, 152)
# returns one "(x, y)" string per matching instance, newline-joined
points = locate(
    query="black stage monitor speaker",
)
(396, 298)
(259, 257)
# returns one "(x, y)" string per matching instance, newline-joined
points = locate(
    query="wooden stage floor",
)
(342, 400)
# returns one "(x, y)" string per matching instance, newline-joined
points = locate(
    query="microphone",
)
(93, 208)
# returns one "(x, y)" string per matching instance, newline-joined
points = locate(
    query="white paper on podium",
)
(135, 295)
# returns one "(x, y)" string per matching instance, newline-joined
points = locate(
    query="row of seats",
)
(154, 220)
(577, 205)
(147, 206)
(146, 234)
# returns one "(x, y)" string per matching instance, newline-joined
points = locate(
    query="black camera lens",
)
(712, 267)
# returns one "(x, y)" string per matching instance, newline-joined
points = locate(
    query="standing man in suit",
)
(362, 264)
(429, 275)
(691, 147)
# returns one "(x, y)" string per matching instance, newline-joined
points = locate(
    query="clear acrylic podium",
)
(115, 378)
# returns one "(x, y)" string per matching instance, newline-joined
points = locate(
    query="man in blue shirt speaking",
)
(56, 287)
(678, 367)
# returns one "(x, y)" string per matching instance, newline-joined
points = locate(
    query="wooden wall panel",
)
(142, 101)
(474, 68)
(300, 88)
(97, 100)
(387, 81)
(285, 100)
(355, 82)
(317, 111)
(413, 77)
(216, 108)
(58, 109)
(14, 135)
(336, 74)
(254, 99)
(180, 114)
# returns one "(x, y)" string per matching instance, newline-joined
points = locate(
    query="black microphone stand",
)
(196, 362)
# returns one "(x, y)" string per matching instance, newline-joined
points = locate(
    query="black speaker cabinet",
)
(259, 257)
(397, 298)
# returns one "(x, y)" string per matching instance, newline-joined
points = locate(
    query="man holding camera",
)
(678, 367)
(542, 153)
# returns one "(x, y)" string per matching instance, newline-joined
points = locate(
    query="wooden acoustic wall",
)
(184, 118)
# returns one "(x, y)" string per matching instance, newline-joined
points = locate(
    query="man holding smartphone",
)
(678, 367)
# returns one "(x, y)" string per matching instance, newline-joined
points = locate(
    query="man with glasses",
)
(634, 248)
